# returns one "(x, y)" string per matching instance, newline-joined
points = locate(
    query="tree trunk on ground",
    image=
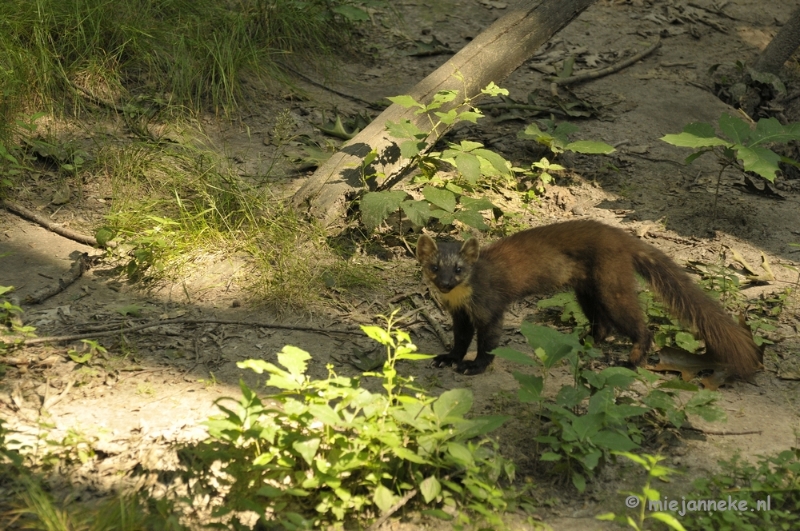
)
(491, 56)
(781, 47)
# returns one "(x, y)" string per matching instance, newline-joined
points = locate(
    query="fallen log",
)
(491, 56)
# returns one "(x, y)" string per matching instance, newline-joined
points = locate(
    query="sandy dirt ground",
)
(154, 387)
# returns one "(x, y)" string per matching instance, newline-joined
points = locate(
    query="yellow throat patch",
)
(457, 297)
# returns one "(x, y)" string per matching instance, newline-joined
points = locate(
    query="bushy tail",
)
(728, 343)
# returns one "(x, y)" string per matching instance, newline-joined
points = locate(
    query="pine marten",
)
(597, 261)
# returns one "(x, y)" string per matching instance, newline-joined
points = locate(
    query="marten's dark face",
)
(446, 265)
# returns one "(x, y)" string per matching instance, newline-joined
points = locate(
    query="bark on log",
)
(781, 47)
(491, 56)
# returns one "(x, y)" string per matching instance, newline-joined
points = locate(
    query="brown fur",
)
(599, 262)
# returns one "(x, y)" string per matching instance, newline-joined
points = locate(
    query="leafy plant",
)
(321, 452)
(770, 489)
(85, 355)
(445, 200)
(647, 494)
(571, 309)
(599, 414)
(667, 403)
(11, 317)
(740, 145)
(667, 330)
(555, 137)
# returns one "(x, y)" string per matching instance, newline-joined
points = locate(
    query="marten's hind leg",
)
(599, 324)
(618, 298)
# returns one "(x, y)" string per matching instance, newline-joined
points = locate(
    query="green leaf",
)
(771, 130)
(307, 449)
(294, 359)
(378, 334)
(469, 166)
(589, 147)
(443, 199)
(759, 160)
(618, 377)
(453, 187)
(679, 384)
(408, 455)
(493, 90)
(257, 366)
(693, 141)
(564, 129)
(103, 235)
(79, 358)
(470, 116)
(430, 488)
(734, 128)
(269, 491)
(530, 387)
(701, 129)
(455, 403)
(351, 13)
(472, 218)
(569, 396)
(376, 206)
(417, 212)
(549, 456)
(591, 459)
(497, 161)
(555, 344)
(469, 203)
(579, 481)
(468, 145)
(404, 101)
(442, 97)
(411, 148)
(614, 441)
(686, 341)
(447, 118)
(514, 355)
(437, 513)
(668, 519)
(481, 425)
(460, 453)
(445, 218)
(405, 129)
(586, 426)
(384, 498)
(325, 414)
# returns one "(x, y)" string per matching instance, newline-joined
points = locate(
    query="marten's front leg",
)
(489, 335)
(463, 330)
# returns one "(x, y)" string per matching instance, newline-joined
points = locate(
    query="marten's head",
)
(447, 265)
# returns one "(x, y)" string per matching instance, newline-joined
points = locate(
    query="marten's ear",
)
(470, 250)
(426, 248)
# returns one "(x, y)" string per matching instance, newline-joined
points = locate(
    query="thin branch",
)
(723, 432)
(12, 341)
(79, 266)
(53, 227)
(391, 510)
(594, 74)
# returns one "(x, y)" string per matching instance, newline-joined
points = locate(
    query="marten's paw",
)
(470, 368)
(444, 360)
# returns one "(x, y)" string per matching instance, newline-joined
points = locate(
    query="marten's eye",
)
(434, 268)
(458, 270)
